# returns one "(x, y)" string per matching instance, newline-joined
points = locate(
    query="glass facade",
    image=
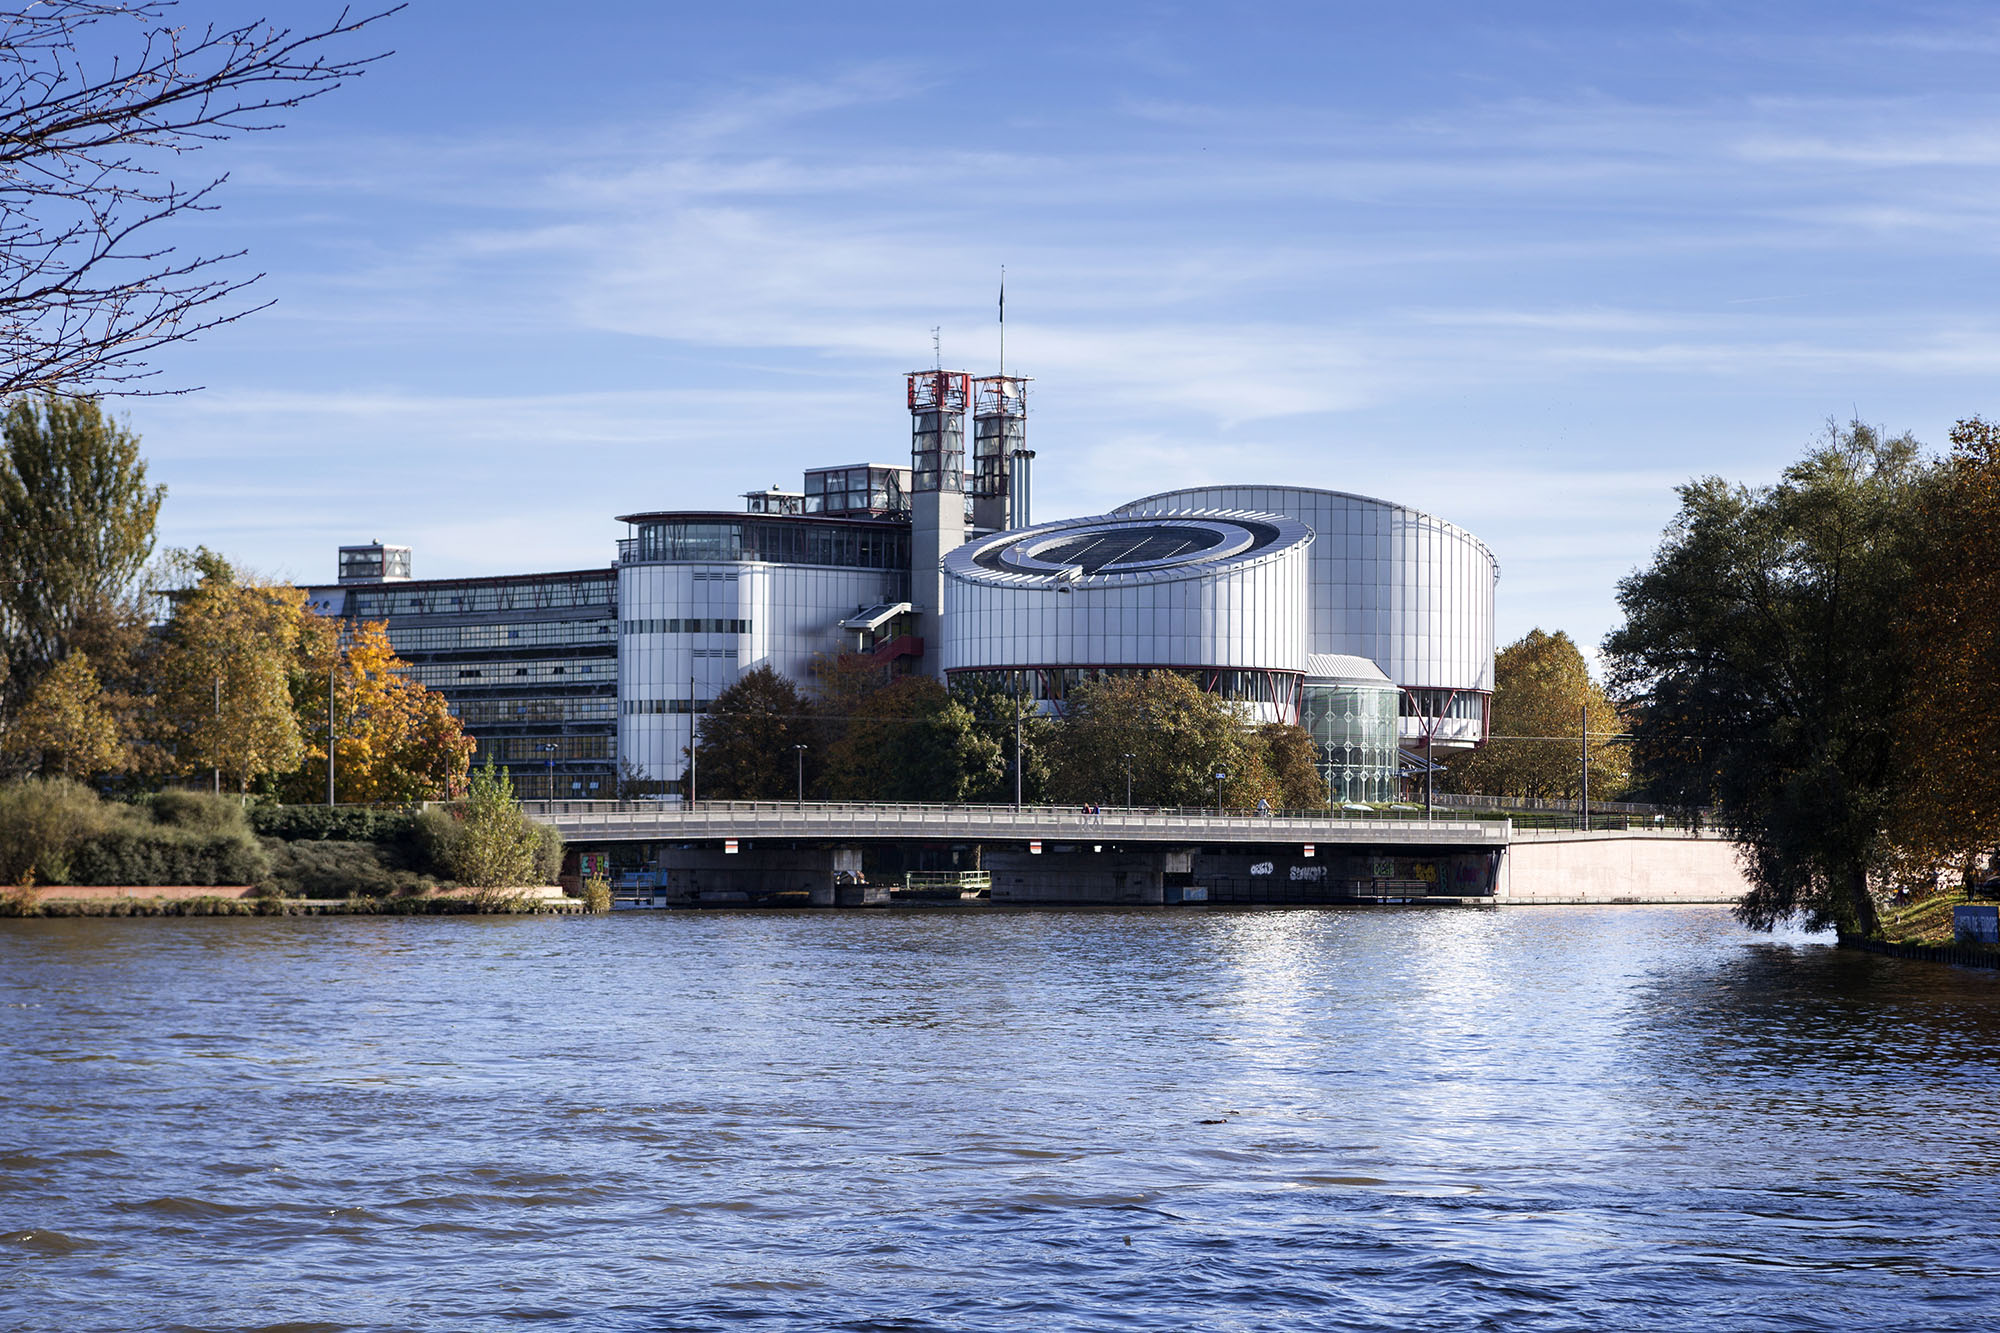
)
(1406, 590)
(528, 665)
(864, 489)
(1276, 692)
(1354, 727)
(861, 545)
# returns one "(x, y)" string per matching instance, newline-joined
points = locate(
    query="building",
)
(1367, 622)
(705, 597)
(1217, 595)
(1394, 586)
(528, 663)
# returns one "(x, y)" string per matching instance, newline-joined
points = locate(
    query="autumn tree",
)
(1762, 675)
(76, 528)
(225, 675)
(1544, 700)
(1292, 760)
(99, 102)
(395, 740)
(1178, 736)
(64, 728)
(1948, 812)
(744, 742)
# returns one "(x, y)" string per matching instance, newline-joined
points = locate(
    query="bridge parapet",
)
(646, 821)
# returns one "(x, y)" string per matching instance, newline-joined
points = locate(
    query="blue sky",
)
(1526, 267)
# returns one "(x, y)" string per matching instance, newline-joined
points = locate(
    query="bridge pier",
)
(1072, 873)
(767, 875)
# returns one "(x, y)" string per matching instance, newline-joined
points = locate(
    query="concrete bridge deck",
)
(705, 821)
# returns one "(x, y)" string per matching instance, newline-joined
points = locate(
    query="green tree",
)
(65, 729)
(744, 741)
(1542, 693)
(226, 672)
(76, 527)
(488, 842)
(1001, 720)
(1178, 735)
(1758, 664)
(885, 737)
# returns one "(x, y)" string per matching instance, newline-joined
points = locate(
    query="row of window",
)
(639, 707)
(1461, 705)
(528, 594)
(512, 712)
(543, 750)
(773, 541)
(576, 671)
(539, 634)
(687, 625)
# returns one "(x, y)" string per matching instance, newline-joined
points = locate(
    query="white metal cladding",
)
(790, 613)
(1224, 607)
(1410, 592)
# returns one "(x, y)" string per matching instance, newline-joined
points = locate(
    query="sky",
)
(1526, 267)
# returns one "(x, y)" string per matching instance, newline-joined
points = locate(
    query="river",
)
(1537, 1118)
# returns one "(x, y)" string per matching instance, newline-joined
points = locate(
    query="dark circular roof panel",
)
(1138, 548)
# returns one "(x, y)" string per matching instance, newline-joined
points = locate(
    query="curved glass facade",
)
(1354, 727)
(777, 541)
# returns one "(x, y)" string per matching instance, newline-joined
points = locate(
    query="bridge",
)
(826, 852)
(595, 822)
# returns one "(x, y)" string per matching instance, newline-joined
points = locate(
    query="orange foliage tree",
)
(1948, 814)
(394, 739)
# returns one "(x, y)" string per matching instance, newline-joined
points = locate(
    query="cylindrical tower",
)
(999, 434)
(937, 494)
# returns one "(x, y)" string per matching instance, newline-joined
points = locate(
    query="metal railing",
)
(723, 819)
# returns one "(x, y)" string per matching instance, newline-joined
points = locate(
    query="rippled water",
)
(1541, 1118)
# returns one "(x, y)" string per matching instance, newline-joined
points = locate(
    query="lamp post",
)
(550, 748)
(1128, 782)
(802, 775)
(218, 732)
(1220, 778)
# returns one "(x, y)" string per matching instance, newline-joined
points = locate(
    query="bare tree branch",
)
(98, 102)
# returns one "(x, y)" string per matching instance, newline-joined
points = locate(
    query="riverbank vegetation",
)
(865, 734)
(1818, 660)
(55, 832)
(128, 672)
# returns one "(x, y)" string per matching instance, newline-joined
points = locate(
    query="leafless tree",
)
(99, 101)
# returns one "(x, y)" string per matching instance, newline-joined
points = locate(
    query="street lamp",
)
(1128, 782)
(550, 747)
(802, 775)
(1220, 778)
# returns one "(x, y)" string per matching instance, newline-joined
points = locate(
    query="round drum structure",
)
(1218, 595)
(1402, 588)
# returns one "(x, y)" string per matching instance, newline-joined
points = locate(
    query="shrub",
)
(486, 841)
(324, 823)
(335, 869)
(596, 895)
(43, 821)
(198, 812)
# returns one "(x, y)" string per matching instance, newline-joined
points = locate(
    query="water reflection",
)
(1543, 1118)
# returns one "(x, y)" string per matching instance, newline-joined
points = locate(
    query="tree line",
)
(860, 733)
(1818, 661)
(125, 670)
